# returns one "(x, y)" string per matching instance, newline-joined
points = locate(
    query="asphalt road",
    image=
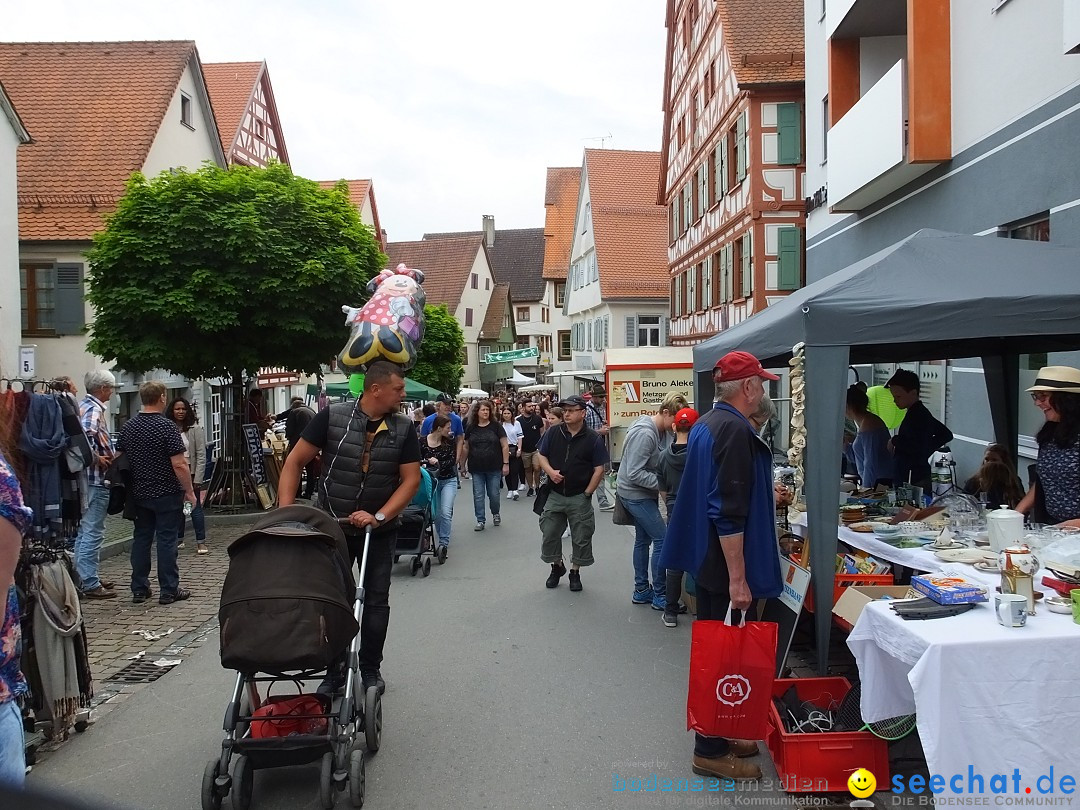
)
(500, 694)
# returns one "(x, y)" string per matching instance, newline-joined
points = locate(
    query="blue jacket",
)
(727, 488)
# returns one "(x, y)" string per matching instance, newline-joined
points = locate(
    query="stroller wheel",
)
(357, 778)
(373, 719)
(243, 780)
(427, 566)
(414, 566)
(211, 799)
(442, 554)
(327, 789)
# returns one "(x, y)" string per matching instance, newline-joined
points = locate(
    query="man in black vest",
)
(370, 472)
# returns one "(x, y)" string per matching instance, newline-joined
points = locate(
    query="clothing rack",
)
(54, 385)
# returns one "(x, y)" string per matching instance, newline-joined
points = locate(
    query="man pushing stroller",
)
(370, 473)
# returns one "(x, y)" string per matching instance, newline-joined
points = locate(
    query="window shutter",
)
(703, 187)
(688, 206)
(740, 147)
(723, 172)
(674, 223)
(789, 133)
(664, 330)
(70, 307)
(677, 299)
(729, 264)
(790, 273)
(589, 331)
(631, 331)
(748, 264)
(706, 283)
(607, 332)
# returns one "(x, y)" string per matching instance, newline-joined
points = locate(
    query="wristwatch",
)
(380, 517)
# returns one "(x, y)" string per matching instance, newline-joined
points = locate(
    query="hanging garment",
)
(57, 621)
(42, 441)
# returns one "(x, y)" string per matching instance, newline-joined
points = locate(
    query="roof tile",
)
(516, 258)
(496, 312)
(446, 263)
(764, 40)
(230, 85)
(560, 207)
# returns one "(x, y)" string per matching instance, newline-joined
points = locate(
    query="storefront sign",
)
(639, 392)
(253, 441)
(274, 377)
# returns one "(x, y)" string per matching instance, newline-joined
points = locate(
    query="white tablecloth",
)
(984, 695)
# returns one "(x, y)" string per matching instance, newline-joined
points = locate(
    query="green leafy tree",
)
(220, 271)
(439, 361)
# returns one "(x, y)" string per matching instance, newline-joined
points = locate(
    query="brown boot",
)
(725, 767)
(743, 748)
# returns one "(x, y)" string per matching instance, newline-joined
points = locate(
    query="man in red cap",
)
(723, 527)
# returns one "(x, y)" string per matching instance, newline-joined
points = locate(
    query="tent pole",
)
(826, 389)
(704, 389)
(1001, 373)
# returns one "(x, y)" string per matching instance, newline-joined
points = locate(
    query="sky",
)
(453, 109)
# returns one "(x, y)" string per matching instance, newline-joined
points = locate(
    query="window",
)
(52, 298)
(185, 111)
(789, 271)
(720, 170)
(676, 298)
(468, 314)
(587, 222)
(487, 283)
(726, 259)
(560, 294)
(545, 315)
(741, 144)
(789, 133)
(706, 282)
(465, 355)
(648, 330)
(506, 321)
(523, 342)
(675, 230)
(747, 271)
(695, 103)
(702, 178)
(589, 335)
(522, 314)
(474, 281)
(594, 271)
(688, 206)
(691, 289)
(1036, 229)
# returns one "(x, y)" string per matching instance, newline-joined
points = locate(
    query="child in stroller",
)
(416, 532)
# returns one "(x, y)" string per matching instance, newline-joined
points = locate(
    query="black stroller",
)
(289, 608)
(416, 529)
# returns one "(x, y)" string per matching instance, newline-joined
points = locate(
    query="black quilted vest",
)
(343, 487)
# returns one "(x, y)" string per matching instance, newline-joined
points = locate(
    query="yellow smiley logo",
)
(861, 783)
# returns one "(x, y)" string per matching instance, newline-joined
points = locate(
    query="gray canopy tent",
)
(932, 295)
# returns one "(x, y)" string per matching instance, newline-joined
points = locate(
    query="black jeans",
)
(714, 605)
(376, 616)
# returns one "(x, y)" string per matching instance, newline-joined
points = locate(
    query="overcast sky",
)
(453, 109)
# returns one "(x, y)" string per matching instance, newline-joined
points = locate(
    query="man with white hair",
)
(99, 389)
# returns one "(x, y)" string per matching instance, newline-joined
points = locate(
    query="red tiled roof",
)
(94, 109)
(560, 209)
(764, 40)
(231, 85)
(358, 191)
(496, 312)
(446, 263)
(630, 229)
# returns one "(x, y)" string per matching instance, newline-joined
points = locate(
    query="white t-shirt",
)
(513, 432)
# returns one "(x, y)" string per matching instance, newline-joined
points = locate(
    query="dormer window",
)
(185, 111)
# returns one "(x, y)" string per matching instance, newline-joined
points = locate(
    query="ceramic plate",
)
(961, 555)
(988, 567)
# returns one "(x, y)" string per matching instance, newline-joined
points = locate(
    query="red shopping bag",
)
(731, 676)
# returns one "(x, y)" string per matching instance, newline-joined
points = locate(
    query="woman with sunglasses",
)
(194, 438)
(1054, 496)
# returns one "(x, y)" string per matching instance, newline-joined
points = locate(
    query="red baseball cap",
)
(740, 366)
(686, 417)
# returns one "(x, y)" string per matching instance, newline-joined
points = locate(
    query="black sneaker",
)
(496, 519)
(671, 618)
(180, 595)
(372, 677)
(530, 493)
(333, 683)
(141, 596)
(557, 571)
(575, 580)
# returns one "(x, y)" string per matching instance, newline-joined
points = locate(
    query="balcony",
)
(855, 19)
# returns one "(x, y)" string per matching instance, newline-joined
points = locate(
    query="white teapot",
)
(1005, 528)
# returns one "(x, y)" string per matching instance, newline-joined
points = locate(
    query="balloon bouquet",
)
(390, 326)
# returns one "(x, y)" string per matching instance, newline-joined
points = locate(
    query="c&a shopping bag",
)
(731, 677)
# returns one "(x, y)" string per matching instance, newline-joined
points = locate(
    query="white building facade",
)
(12, 134)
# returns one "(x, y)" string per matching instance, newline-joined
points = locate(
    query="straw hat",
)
(1057, 378)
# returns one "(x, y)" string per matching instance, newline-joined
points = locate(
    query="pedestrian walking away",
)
(296, 419)
(94, 416)
(160, 484)
(440, 457)
(532, 427)
(723, 528)
(370, 473)
(596, 419)
(638, 487)
(573, 457)
(514, 438)
(194, 438)
(672, 464)
(487, 455)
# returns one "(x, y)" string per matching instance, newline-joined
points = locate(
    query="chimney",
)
(489, 230)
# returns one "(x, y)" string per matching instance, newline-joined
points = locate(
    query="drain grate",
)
(139, 672)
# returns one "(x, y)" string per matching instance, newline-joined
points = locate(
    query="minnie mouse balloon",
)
(390, 325)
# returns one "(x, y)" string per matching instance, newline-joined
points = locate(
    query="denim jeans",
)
(90, 537)
(198, 520)
(12, 754)
(376, 618)
(485, 482)
(446, 489)
(160, 517)
(649, 529)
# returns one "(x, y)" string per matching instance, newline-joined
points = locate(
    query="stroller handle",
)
(346, 522)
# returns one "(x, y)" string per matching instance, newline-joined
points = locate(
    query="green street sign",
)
(516, 354)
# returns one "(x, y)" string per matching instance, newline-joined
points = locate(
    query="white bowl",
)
(886, 530)
(1058, 604)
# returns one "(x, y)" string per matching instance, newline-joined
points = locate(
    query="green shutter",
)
(69, 315)
(728, 271)
(678, 298)
(706, 283)
(747, 264)
(740, 147)
(790, 272)
(688, 206)
(789, 133)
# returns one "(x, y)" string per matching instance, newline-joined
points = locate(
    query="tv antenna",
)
(601, 138)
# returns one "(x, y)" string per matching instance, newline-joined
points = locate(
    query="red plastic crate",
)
(822, 762)
(846, 581)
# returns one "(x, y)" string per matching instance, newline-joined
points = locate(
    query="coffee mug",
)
(1011, 609)
(1075, 594)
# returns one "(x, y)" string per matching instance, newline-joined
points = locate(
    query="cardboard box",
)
(854, 599)
(949, 590)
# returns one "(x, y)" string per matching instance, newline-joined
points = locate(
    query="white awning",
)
(517, 378)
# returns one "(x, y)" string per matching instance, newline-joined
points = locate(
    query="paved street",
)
(501, 693)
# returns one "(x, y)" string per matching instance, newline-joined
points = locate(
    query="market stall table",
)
(985, 696)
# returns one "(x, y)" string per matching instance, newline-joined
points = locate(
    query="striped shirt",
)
(92, 413)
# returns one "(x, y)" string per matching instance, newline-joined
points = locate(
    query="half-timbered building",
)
(246, 112)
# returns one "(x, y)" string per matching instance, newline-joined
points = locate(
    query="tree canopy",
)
(439, 360)
(217, 271)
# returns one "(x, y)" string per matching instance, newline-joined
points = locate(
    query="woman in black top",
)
(437, 451)
(1054, 496)
(488, 457)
